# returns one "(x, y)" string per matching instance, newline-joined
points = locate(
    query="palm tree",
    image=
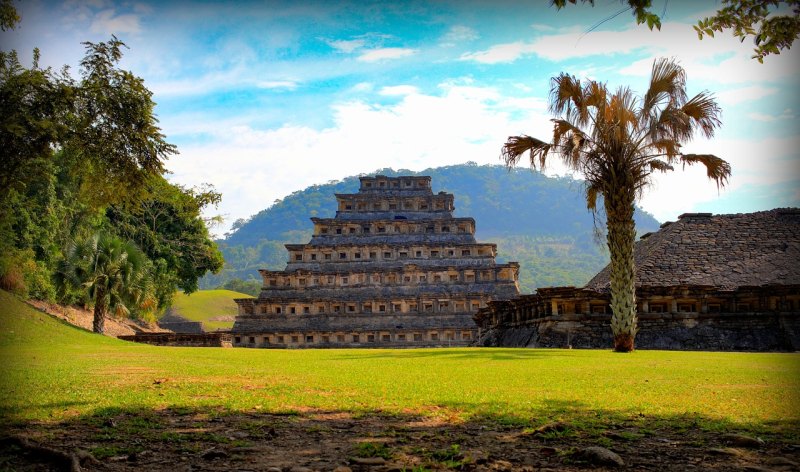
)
(617, 141)
(114, 275)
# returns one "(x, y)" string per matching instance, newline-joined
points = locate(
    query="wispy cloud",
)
(108, 22)
(777, 165)
(277, 84)
(458, 34)
(347, 46)
(408, 133)
(542, 27)
(383, 54)
(508, 52)
(744, 94)
(787, 114)
(722, 59)
(398, 90)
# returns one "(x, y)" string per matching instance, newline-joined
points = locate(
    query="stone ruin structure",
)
(704, 282)
(393, 268)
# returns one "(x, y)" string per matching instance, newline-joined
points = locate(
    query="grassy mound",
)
(214, 308)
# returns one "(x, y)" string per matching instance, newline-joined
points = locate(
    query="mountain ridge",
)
(540, 221)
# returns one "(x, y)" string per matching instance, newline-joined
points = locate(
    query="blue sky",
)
(265, 98)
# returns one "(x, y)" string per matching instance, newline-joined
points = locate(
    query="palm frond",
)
(658, 165)
(563, 131)
(570, 141)
(704, 112)
(667, 84)
(595, 94)
(620, 116)
(671, 123)
(669, 147)
(717, 169)
(566, 95)
(516, 146)
(592, 192)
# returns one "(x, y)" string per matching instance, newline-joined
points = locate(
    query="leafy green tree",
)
(36, 103)
(115, 128)
(74, 148)
(167, 225)
(8, 15)
(773, 24)
(250, 287)
(114, 275)
(617, 141)
(775, 33)
(106, 121)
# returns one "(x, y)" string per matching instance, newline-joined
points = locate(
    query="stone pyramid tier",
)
(394, 267)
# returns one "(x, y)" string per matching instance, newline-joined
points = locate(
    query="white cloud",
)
(396, 90)
(722, 59)
(462, 123)
(542, 27)
(744, 94)
(273, 84)
(203, 84)
(107, 22)
(689, 189)
(508, 52)
(347, 46)
(786, 115)
(362, 87)
(382, 54)
(142, 8)
(458, 34)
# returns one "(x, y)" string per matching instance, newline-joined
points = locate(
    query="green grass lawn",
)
(206, 304)
(50, 371)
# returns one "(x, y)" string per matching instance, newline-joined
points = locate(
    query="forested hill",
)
(541, 222)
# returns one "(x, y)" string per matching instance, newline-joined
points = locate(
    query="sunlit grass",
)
(51, 371)
(204, 305)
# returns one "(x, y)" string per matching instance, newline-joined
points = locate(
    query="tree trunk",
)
(99, 322)
(621, 238)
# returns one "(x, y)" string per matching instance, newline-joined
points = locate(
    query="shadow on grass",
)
(437, 438)
(9, 412)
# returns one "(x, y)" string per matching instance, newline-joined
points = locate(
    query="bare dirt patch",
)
(83, 319)
(325, 441)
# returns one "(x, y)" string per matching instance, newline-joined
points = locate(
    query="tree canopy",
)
(8, 15)
(83, 161)
(773, 24)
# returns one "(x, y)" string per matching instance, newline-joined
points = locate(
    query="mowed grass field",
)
(52, 372)
(206, 305)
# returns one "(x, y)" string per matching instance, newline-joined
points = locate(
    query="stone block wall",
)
(179, 339)
(668, 331)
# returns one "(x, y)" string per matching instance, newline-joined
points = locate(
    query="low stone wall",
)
(386, 338)
(183, 327)
(182, 339)
(669, 331)
(347, 322)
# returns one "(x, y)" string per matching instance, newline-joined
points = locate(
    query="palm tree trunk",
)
(621, 238)
(99, 321)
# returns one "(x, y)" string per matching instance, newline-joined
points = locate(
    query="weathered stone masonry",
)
(392, 268)
(182, 339)
(723, 282)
